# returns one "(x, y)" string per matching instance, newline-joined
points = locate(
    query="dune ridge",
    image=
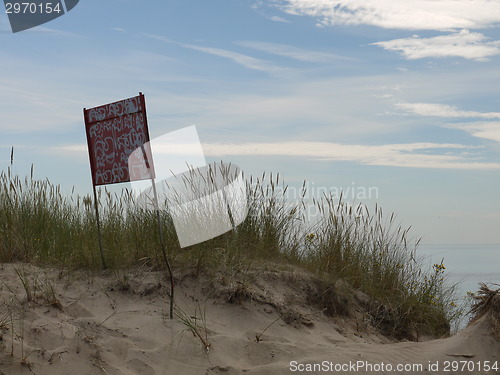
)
(271, 322)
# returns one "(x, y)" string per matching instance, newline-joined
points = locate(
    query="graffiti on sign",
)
(114, 132)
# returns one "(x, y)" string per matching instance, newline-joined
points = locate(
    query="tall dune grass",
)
(39, 224)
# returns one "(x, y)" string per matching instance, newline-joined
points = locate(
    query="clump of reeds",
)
(40, 224)
(373, 255)
(487, 301)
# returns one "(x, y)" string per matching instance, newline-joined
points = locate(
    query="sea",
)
(466, 265)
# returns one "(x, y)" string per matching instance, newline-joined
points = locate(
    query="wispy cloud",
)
(238, 58)
(160, 38)
(278, 19)
(485, 130)
(406, 15)
(292, 52)
(259, 4)
(33, 102)
(442, 110)
(52, 110)
(481, 129)
(241, 59)
(6, 28)
(73, 151)
(411, 155)
(466, 44)
(49, 31)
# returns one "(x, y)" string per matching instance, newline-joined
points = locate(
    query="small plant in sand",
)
(196, 324)
(5, 315)
(13, 320)
(37, 288)
(258, 336)
(98, 361)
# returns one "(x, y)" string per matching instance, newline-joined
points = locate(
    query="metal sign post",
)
(163, 248)
(150, 168)
(99, 233)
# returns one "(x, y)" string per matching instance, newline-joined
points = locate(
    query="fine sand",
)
(117, 322)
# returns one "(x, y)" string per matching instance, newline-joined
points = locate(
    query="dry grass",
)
(487, 302)
(195, 323)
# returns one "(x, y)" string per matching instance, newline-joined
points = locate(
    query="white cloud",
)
(50, 31)
(466, 44)
(241, 59)
(279, 19)
(73, 151)
(34, 97)
(159, 37)
(400, 14)
(481, 129)
(259, 4)
(485, 130)
(27, 109)
(79, 148)
(293, 52)
(442, 110)
(411, 155)
(238, 58)
(395, 155)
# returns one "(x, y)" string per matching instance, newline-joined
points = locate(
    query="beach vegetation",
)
(365, 249)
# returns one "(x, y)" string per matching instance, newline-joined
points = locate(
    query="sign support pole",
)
(99, 232)
(163, 248)
(160, 231)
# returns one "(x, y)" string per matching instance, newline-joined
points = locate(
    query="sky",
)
(396, 98)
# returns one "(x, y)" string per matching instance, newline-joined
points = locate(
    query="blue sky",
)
(402, 96)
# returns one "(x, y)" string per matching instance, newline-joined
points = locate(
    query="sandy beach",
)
(117, 322)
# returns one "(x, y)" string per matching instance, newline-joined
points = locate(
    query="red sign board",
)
(114, 132)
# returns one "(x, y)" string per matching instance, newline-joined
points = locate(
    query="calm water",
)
(467, 264)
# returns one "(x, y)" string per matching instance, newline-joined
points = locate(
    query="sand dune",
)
(116, 323)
